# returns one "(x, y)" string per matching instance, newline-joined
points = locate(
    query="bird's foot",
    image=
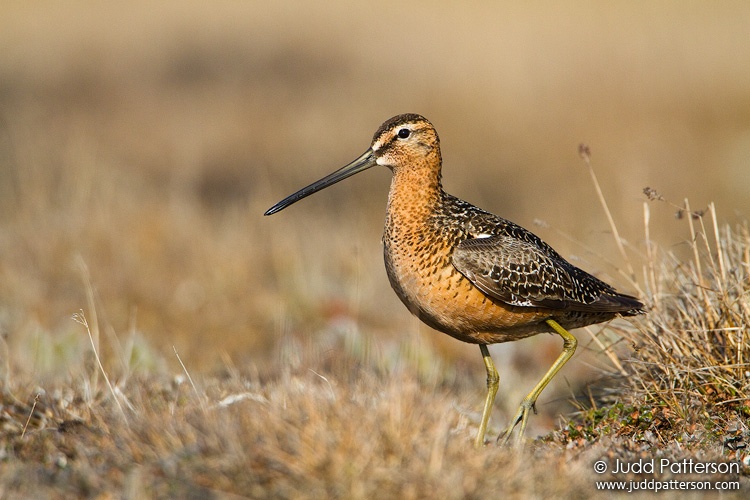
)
(521, 417)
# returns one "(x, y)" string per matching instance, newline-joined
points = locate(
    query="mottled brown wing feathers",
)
(523, 274)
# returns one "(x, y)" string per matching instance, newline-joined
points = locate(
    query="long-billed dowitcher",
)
(466, 272)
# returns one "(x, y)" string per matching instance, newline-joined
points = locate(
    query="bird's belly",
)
(446, 300)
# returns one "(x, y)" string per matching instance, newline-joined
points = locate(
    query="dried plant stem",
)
(94, 331)
(190, 379)
(31, 412)
(80, 317)
(650, 257)
(608, 351)
(586, 155)
(717, 239)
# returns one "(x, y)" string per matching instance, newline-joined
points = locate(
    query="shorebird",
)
(468, 273)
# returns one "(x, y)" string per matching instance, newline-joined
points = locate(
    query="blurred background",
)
(141, 142)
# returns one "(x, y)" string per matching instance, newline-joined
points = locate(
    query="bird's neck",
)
(414, 196)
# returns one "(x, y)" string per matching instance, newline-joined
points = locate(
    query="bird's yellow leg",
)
(493, 380)
(522, 415)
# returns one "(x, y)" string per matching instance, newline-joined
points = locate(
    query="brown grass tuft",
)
(686, 384)
(692, 353)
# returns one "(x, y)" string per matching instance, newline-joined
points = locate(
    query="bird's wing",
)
(521, 273)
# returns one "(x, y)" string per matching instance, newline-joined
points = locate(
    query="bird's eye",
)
(404, 133)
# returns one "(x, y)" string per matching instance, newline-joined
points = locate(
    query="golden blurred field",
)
(141, 142)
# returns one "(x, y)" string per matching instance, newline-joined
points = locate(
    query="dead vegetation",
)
(684, 381)
(363, 426)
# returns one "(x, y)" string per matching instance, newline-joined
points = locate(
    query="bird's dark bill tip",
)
(281, 205)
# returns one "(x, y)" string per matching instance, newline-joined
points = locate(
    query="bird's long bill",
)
(364, 162)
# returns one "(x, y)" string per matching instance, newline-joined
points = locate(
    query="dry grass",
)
(684, 378)
(362, 424)
(140, 143)
(690, 363)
